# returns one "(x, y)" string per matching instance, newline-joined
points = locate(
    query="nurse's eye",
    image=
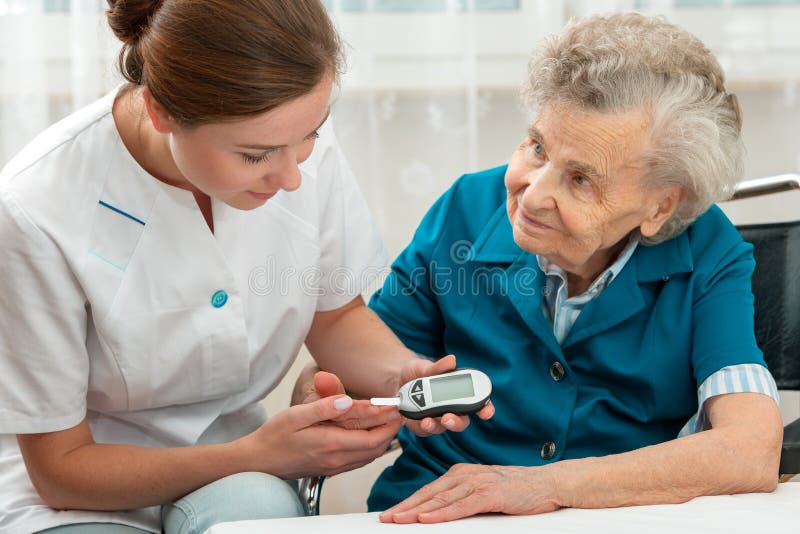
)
(261, 158)
(313, 135)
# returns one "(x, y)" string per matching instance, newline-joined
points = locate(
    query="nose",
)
(287, 175)
(541, 190)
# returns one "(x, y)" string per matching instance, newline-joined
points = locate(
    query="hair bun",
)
(129, 18)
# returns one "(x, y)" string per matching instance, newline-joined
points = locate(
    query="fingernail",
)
(428, 426)
(342, 403)
(449, 423)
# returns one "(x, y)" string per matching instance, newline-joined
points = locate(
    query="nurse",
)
(165, 253)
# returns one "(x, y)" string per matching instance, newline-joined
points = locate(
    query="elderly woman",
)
(595, 282)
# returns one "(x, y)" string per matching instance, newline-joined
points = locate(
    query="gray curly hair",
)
(620, 62)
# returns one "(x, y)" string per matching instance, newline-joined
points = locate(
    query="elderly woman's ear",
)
(666, 201)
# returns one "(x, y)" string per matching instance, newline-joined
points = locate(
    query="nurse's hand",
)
(304, 440)
(314, 385)
(436, 425)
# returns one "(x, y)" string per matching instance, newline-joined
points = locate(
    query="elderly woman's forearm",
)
(715, 462)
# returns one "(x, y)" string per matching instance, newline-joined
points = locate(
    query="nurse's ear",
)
(161, 120)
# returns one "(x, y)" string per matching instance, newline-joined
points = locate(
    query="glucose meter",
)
(462, 391)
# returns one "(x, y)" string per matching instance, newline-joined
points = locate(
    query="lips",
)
(261, 196)
(530, 221)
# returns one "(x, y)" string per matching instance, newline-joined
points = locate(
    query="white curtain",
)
(55, 56)
(432, 89)
(432, 86)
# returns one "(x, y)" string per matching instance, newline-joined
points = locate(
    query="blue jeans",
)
(237, 497)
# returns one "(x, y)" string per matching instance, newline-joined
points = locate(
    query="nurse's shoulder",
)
(57, 177)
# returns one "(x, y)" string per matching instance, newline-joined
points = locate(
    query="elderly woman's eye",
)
(537, 147)
(581, 180)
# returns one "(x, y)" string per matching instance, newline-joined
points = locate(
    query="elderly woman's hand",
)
(468, 489)
(418, 368)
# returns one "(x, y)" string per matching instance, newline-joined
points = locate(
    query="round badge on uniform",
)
(219, 298)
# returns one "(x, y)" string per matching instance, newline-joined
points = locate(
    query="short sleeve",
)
(723, 330)
(407, 301)
(744, 378)
(44, 365)
(352, 255)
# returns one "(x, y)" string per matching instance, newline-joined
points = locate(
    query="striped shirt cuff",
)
(743, 378)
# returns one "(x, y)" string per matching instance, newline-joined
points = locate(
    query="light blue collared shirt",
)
(563, 311)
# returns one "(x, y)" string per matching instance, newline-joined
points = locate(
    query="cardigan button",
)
(557, 371)
(548, 450)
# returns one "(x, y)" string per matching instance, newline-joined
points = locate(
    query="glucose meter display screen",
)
(447, 388)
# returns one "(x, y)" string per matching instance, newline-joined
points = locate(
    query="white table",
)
(754, 513)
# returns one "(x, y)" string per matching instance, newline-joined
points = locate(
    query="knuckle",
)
(331, 462)
(352, 424)
(320, 410)
(441, 499)
(459, 469)
(332, 445)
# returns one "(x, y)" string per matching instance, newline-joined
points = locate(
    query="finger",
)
(377, 438)
(304, 386)
(421, 367)
(304, 415)
(422, 495)
(416, 428)
(487, 412)
(328, 384)
(431, 426)
(454, 423)
(442, 365)
(441, 500)
(364, 408)
(470, 505)
(425, 427)
(362, 418)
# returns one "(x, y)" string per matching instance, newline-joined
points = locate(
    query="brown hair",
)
(217, 60)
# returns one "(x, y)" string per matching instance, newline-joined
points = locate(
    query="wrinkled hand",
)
(468, 489)
(313, 439)
(455, 423)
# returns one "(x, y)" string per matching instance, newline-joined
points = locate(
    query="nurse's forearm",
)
(91, 476)
(354, 344)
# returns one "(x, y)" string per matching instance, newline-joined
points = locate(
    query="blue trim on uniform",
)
(128, 215)
(100, 256)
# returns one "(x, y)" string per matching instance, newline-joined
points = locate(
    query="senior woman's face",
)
(575, 188)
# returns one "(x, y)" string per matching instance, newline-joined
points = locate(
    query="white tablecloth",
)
(754, 513)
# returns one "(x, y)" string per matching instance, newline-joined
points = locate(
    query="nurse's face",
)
(244, 163)
(576, 188)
